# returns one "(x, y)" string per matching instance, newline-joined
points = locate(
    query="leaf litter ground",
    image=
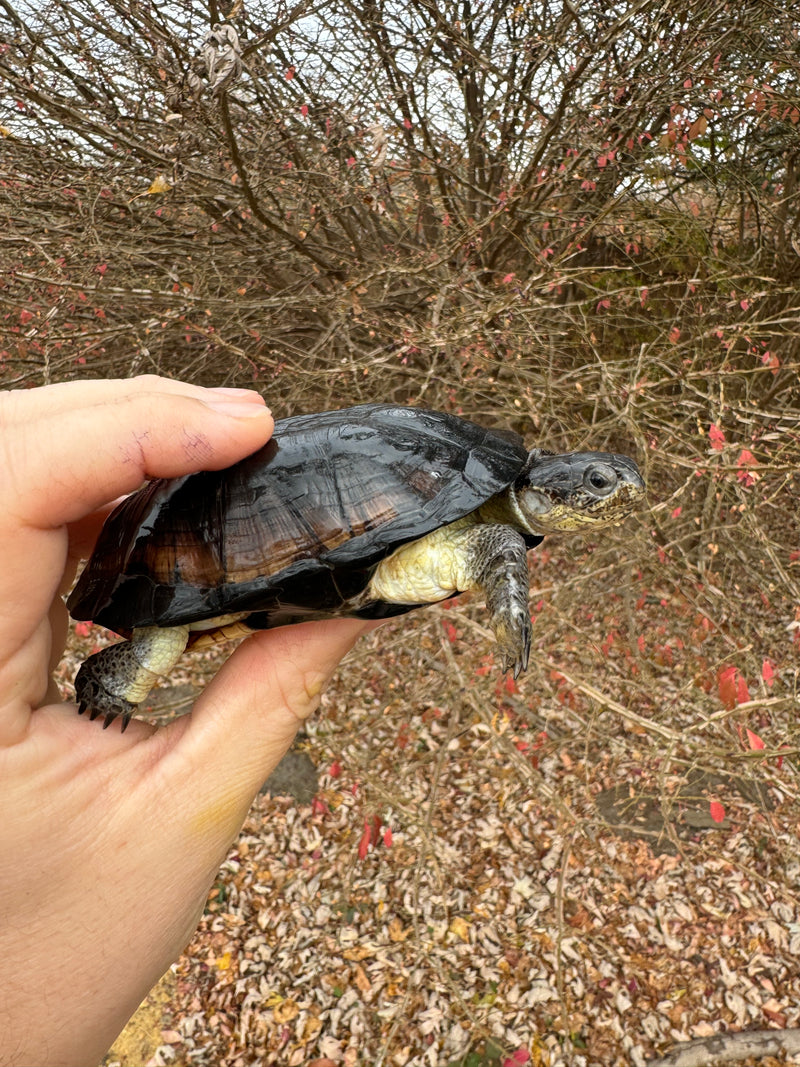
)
(584, 867)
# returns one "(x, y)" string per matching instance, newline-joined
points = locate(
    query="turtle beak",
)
(578, 489)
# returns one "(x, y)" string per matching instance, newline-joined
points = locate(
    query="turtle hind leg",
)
(114, 681)
(93, 695)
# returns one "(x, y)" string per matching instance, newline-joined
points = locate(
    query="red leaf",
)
(769, 359)
(304, 110)
(335, 769)
(364, 843)
(25, 317)
(754, 741)
(726, 686)
(742, 692)
(289, 74)
(716, 811)
(675, 334)
(375, 829)
(518, 1058)
(746, 459)
(387, 837)
(716, 437)
(767, 673)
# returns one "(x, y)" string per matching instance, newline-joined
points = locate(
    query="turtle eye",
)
(600, 478)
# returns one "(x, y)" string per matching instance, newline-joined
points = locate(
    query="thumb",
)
(246, 719)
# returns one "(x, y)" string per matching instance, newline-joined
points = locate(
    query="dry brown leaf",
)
(286, 1011)
(358, 952)
(311, 1029)
(159, 184)
(397, 932)
(460, 928)
(698, 127)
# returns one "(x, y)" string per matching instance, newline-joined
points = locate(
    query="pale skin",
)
(109, 842)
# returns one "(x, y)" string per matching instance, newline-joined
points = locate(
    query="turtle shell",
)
(296, 528)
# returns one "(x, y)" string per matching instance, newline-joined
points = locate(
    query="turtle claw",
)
(113, 713)
(513, 635)
(93, 697)
(125, 717)
(515, 664)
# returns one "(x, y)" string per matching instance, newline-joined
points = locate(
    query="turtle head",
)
(576, 490)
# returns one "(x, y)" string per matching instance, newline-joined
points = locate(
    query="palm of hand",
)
(110, 841)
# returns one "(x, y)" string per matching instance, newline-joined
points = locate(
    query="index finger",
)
(69, 449)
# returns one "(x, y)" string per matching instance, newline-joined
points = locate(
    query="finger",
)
(51, 399)
(246, 719)
(68, 452)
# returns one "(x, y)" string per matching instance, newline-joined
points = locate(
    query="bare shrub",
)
(577, 220)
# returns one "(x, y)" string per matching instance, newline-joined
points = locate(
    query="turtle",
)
(368, 511)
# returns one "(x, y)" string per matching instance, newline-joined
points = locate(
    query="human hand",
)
(109, 842)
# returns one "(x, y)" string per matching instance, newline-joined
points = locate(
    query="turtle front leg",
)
(115, 680)
(497, 563)
(490, 557)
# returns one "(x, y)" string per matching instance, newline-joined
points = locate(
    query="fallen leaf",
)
(286, 1011)
(459, 928)
(358, 952)
(159, 184)
(397, 932)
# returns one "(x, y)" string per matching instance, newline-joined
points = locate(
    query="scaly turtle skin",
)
(369, 512)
